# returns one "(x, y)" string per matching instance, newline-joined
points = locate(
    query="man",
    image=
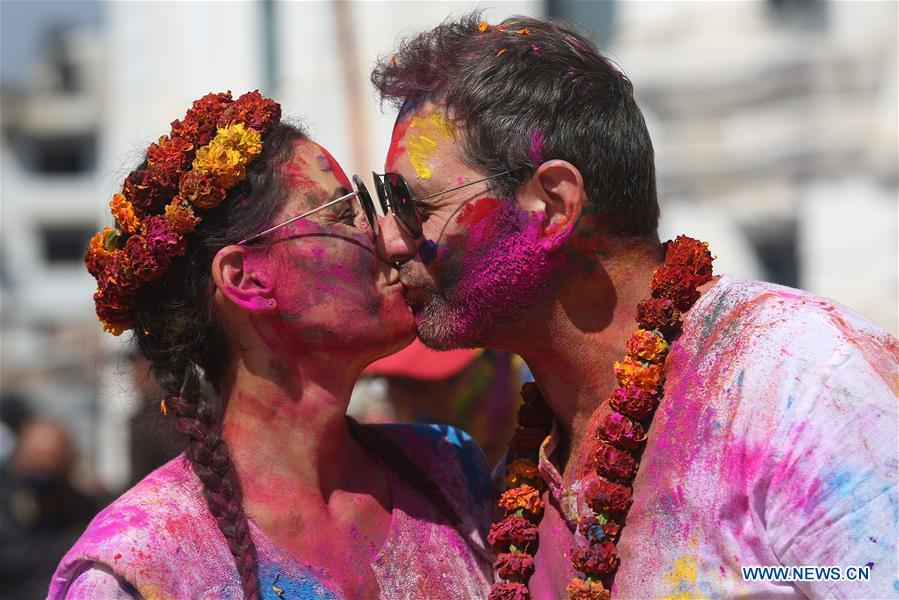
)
(775, 440)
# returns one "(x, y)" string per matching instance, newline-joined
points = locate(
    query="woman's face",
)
(333, 294)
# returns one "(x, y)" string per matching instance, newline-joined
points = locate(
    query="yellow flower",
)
(647, 346)
(227, 155)
(123, 211)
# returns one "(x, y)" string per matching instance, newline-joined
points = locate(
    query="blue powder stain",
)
(841, 483)
(308, 585)
(789, 402)
(896, 585)
(427, 250)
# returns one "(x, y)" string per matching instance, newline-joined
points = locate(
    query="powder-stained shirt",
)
(159, 540)
(775, 445)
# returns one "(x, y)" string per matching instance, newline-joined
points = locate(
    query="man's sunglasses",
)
(395, 195)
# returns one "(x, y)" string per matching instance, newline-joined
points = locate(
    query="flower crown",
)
(188, 171)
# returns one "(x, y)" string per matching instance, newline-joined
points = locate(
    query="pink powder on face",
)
(328, 164)
(492, 271)
(293, 172)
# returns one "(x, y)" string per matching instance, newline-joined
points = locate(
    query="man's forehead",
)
(423, 147)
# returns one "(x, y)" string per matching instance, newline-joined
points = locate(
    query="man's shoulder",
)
(740, 310)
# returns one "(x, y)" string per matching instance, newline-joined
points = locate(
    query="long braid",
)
(208, 454)
(391, 454)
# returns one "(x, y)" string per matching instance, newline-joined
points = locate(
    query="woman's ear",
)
(236, 278)
(560, 188)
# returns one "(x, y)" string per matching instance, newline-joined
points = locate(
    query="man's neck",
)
(572, 351)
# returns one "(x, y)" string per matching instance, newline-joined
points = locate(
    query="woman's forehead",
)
(312, 166)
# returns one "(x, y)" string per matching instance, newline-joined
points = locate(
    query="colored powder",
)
(427, 250)
(478, 210)
(535, 151)
(535, 49)
(423, 144)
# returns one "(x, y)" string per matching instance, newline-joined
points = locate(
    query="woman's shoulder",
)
(447, 454)
(159, 537)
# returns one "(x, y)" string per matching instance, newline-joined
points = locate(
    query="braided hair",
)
(177, 330)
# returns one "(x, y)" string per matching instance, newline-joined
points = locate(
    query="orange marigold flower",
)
(203, 191)
(522, 497)
(647, 346)
(524, 31)
(123, 212)
(580, 589)
(97, 252)
(180, 217)
(632, 372)
(522, 470)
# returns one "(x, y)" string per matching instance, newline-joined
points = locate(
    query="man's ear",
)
(240, 283)
(559, 186)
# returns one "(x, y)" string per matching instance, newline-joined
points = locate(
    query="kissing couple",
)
(682, 425)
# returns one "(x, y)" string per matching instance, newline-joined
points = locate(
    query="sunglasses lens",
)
(368, 207)
(403, 204)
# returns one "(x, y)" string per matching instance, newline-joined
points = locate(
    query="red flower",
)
(605, 496)
(180, 217)
(596, 532)
(534, 412)
(115, 295)
(172, 156)
(253, 110)
(596, 559)
(151, 252)
(199, 124)
(622, 432)
(693, 254)
(203, 191)
(509, 591)
(677, 284)
(514, 566)
(634, 402)
(617, 465)
(660, 314)
(527, 440)
(148, 190)
(512, 531)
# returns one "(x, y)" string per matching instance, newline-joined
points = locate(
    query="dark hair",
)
(530, 90)
(176, 329)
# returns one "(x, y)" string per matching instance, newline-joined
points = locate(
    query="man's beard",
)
(488, 297)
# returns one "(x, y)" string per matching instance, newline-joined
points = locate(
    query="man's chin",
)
(440, 327)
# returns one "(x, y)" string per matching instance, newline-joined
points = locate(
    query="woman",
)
(257, 324)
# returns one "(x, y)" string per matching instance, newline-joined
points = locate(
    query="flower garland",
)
(192, 169)
(620, 438)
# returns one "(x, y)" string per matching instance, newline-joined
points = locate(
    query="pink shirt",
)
(159, 540)
(775, 444)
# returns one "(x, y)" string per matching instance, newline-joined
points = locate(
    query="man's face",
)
(480, 262)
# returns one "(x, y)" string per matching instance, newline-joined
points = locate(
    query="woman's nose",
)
(393, 244)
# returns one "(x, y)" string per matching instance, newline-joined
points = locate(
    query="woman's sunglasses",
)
(395, 195)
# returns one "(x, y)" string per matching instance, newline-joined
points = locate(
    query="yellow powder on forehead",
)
(423, 143)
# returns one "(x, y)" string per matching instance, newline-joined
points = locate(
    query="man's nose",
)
(393, 244)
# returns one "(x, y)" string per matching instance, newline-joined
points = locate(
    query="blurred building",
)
(774, 124)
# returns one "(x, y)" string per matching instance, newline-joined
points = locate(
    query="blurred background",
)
(774, 122)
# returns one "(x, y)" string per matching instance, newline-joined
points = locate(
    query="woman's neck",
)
(286, 429)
